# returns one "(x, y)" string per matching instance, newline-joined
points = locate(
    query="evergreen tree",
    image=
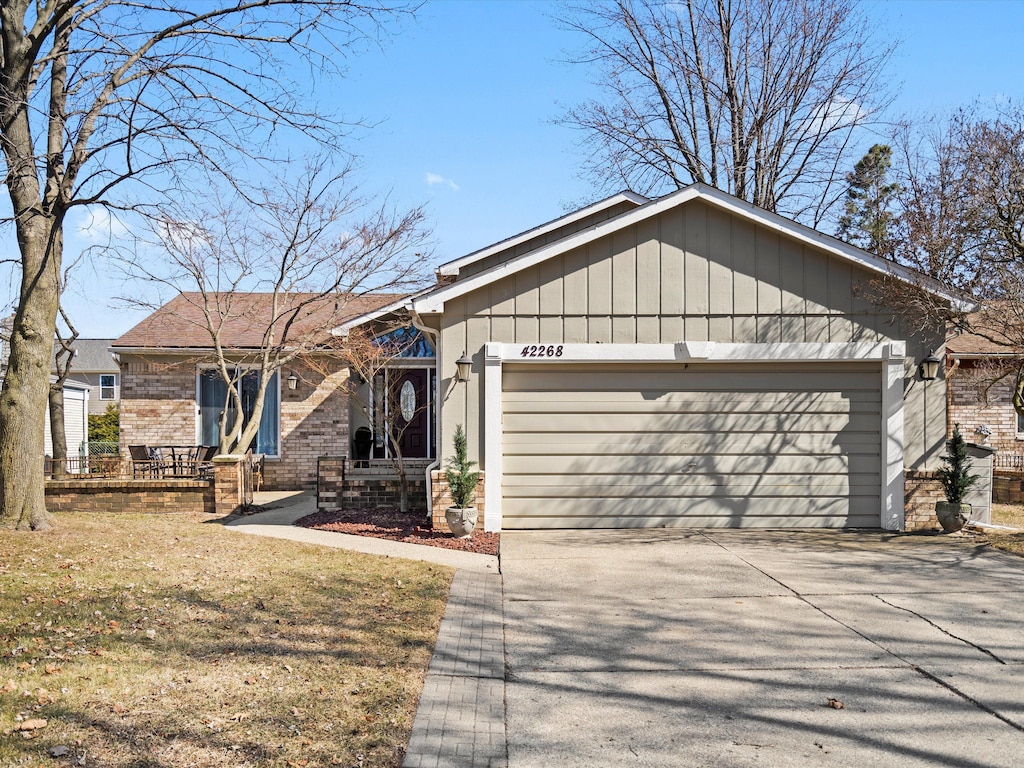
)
(869, 197)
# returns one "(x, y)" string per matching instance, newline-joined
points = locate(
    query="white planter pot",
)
(461, 520)
(952, 517)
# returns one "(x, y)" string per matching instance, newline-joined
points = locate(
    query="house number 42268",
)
(539, 350)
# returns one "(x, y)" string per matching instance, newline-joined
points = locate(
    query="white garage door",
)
(702, 445)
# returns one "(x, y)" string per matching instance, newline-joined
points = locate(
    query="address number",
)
(539, 350)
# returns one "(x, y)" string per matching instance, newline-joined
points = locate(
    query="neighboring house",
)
(76, 421)
(93, 367)
(691, 360)
(981, 375)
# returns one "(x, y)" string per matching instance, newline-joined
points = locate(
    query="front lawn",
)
(1011, 515)
(149, 640)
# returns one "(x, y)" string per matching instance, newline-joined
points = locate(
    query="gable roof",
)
(997, 329)
(433, 300)
(92, 356)
(453, 267)
(180, 324)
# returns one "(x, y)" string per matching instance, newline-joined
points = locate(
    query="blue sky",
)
(467, 92)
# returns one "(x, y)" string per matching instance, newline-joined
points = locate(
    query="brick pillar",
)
(227, 484)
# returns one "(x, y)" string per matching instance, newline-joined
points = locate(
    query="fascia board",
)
(433, 301)
(451, 268)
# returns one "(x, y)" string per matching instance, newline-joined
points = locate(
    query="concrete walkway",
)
(283, 508)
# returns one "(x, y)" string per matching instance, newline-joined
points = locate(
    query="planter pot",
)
(952, 517)
(461, 520)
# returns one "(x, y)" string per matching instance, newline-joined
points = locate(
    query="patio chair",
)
(204, 460)
(145, 463)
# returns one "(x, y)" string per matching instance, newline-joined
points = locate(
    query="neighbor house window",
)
(107, 384)
(213, 399)
(1020, 425)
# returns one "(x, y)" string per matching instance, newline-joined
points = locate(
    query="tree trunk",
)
(58, 439)
(23, 400)
(403, 488)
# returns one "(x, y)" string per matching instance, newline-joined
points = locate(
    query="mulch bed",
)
(389, 523)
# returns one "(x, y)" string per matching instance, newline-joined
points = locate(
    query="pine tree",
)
(868, 212)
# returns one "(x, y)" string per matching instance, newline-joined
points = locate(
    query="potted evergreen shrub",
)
(956, 480)
(462, 479)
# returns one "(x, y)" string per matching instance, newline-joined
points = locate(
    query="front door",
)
(412, 409)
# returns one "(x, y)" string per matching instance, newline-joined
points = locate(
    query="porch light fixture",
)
(293, 380)
(463, 364)
(929, 368)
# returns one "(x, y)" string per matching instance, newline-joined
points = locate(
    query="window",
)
(108, 382)
(1020, 424)
(213, 399)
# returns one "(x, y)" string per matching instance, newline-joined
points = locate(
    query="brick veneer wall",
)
(441, 498)
(158, 407)
(921, 489)
(974, 401)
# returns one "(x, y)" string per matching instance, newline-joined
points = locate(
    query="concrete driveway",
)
(683, 648)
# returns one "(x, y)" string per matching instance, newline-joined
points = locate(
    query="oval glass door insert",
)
(407, 400)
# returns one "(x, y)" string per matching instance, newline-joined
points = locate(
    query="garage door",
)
(701, 445)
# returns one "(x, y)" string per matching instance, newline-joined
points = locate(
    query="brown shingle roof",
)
(180, 323)
(997, 330)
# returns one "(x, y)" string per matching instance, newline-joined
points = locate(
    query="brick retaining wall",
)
(130, 496)
(1008, 486)
(220, 496)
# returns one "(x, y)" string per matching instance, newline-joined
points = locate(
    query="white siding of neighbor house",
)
(76, 421)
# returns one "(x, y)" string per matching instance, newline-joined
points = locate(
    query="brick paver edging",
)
(460, 720)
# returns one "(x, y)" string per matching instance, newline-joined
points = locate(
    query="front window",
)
(213, 400)
(107, 384)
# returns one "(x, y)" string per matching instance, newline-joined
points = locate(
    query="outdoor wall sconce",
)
(293, 380)
(929, 368)
(463, 364)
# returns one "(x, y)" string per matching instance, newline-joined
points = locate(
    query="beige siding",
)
(700, 274)
(711, 445)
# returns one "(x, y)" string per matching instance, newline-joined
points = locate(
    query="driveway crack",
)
(941, 629)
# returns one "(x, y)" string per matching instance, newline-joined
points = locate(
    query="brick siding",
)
(158, 407)
(974, 400)
(155, 496)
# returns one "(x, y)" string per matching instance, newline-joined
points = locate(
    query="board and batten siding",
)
(706, 445)
(692, 273)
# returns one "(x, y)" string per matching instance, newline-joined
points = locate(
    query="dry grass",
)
(1011, 515)
(151, 641)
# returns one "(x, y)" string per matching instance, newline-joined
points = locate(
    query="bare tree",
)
(759, 98)
(63, 359)
(110, 102)
(286, 264)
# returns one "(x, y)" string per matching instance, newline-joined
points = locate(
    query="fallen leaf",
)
(32, 725)
(250, 681)
(51, 669)
(836, 704)
(9, 686)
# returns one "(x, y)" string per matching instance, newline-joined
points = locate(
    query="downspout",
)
(418, 323)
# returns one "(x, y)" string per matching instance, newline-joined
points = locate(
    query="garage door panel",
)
(662, 443)
(687, 402)
(559, 465)
(711, 445)
(856, 512)
(729, 423)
